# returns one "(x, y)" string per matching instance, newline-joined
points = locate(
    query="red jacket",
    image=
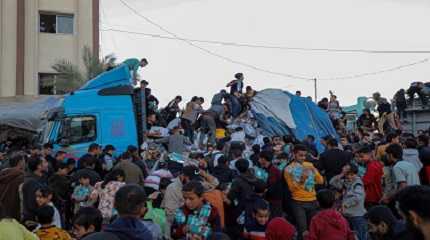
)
(372, 181)
(329, 225)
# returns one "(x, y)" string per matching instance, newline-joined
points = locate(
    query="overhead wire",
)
(425, 60)
(293, 76)
(248, 45)
(210, 52)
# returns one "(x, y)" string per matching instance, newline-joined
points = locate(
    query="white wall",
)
(8, 16)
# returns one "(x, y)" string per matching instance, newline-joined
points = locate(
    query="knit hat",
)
(280, 229)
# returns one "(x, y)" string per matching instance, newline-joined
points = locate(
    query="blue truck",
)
(106, 110)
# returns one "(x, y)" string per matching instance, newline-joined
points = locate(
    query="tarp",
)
(281, 113)
(27, 112)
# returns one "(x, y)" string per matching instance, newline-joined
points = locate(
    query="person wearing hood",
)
(33, 180)
(411, 154)
(328, 223)
(10, 180)
(280, 229)
(301, 177)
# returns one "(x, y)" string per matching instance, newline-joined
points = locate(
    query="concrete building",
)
(34, 34)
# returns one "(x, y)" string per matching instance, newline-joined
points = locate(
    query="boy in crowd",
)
(48, 231)
(328, 223)
(44, 198)
(88, 220)
(255, 228)
(372, 179)
(353, 197)
(197, 219)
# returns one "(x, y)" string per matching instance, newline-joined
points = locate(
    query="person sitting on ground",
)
(328, 223)
(88, 220)
(48, 231)
(197, 219)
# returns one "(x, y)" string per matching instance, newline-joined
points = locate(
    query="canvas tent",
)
(281, 113)
(27, 112)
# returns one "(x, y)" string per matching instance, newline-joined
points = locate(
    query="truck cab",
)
(106, 110)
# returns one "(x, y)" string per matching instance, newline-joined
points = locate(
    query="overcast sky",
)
(177, 68)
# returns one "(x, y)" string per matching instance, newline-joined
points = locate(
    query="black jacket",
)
(332, 161)
(223, 173)
(32, 183)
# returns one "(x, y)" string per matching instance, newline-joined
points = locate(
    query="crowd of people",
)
(196, 177)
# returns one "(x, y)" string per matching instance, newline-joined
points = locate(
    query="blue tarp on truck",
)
(281, 113)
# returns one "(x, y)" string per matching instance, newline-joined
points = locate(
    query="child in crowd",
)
(44, 198)
(328, 224)
(255, 228)
(352, 199)
(88, 220)
(81, 193)
(48, 231)
(196, 219)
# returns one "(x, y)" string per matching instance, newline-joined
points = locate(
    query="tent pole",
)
(315, 90)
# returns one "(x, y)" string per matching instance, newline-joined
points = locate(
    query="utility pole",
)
(315, 90)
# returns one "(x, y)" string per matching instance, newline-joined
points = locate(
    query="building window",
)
(48, 84)
(56, 23)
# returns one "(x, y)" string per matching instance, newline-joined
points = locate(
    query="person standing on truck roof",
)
(236, 85)
(133, 65)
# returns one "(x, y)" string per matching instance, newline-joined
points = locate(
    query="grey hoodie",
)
(353, 199)
(412, 155)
